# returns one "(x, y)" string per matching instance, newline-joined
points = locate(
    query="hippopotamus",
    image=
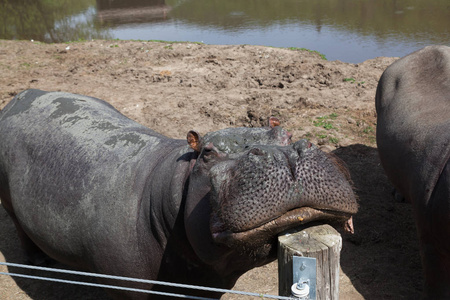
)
(90, 188)
(413, 137)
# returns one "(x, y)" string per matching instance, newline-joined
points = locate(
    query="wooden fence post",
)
(322, 242)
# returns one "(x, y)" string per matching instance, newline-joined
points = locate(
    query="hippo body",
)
(95, 190)
(413, 137)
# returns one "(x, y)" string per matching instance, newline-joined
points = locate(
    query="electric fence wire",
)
(178, 285)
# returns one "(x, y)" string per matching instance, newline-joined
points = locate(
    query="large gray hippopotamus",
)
(413, 137)
(95, 190)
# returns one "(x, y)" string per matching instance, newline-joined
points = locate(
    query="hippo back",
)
(75, 160)
(413, 108)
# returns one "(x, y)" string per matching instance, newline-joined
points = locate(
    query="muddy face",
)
(260, 187)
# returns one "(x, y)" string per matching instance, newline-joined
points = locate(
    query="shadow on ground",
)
(382, 258)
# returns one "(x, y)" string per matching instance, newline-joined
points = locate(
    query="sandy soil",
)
(173, 88)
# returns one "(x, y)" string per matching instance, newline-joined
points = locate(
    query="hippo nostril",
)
(301, 145)
(256, 151)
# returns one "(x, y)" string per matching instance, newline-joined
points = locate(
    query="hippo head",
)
(250, 184)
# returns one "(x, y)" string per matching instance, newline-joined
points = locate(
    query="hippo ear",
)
(194, 140)
(274, 122)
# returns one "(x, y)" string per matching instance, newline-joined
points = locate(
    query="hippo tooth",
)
(348, 225)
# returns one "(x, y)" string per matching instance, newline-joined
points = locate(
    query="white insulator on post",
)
(300, 290)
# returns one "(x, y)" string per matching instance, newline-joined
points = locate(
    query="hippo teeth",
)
(272, 228)
(348, 226)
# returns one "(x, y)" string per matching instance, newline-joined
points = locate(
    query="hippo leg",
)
(435, 244)
(34, 255)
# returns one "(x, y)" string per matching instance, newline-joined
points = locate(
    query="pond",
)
(347, 30)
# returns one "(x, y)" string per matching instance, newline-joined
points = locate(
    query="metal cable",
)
(105, 286)
(178, 285)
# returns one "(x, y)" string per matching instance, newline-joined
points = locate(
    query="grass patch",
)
(334, 140)
(132, 40)
(77, 41)
(368, 129)
(353, 80)
(333, 116)
(172, 42)
(324, 121)
(331, 139)
(309, 50)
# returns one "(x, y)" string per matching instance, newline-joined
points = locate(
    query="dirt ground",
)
(175, 87)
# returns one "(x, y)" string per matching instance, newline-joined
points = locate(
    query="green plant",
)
(173, 42)
(368, 129)
(324, 123)
(353, 80)
(328, 126)
(80, 40)
(311, 51)
(334, 140)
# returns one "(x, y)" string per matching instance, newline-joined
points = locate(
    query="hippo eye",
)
(210, 151)
(256, 151)
(207, 151)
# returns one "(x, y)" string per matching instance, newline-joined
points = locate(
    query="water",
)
(348, 30)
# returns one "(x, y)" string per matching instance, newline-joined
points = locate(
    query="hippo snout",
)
(270, 181)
